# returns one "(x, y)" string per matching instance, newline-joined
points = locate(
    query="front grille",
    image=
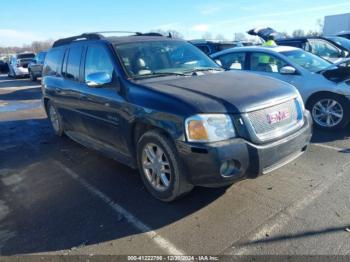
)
(269, 121)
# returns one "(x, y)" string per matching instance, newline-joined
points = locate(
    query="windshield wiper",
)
(160, 74)
(203, 70)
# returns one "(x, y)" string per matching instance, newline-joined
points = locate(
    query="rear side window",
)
(73, 63)
(98, 61)
(53, 62)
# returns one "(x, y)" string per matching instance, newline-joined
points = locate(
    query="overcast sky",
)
(23, 21)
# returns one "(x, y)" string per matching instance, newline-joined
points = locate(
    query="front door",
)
(102, 107)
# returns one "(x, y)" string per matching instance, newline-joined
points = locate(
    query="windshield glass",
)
(341, 41)
(308, 61)
(157, 58)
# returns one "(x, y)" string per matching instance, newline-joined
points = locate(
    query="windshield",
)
(308, 61)
(343, 42)
(158, 58)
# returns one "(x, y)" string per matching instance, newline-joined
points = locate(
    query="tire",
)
(336, 111)
(178, 185)
(32, 77)
(55, 119)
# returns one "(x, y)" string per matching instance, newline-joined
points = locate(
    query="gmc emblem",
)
(277, 116)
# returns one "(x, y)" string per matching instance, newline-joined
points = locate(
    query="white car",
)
(18, 66)
(324, 87)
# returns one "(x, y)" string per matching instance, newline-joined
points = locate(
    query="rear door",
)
(102, 107)
(69, 92)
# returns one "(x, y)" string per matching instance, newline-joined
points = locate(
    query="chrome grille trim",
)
(261, 131)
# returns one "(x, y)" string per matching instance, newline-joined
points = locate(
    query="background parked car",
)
(344, 34)
(35, 68)
(325, 47)
(18, 66)
(3, 66)
(324, 86)
(210, 47)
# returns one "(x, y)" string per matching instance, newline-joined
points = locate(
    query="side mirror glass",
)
(98, 79)
(288, 70)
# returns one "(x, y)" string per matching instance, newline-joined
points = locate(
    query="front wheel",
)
(330, 112)
(160, 168)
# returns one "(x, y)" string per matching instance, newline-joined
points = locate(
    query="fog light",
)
(229, 168)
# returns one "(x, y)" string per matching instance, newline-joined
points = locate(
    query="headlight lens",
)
(209, 128)
(300, 100)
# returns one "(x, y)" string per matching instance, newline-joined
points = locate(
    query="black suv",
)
(164, 107)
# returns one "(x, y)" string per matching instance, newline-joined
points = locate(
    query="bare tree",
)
(35, 47)
(320, 24)
(172, 32)
(220, 37)
(240, 36)
(298, 33)
(207, 35)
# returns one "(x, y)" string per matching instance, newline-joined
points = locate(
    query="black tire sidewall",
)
(342, 101)
(31, 76)
(174, 191)
(60, 130)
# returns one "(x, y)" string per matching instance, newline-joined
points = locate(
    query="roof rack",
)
(98, 36)
(85, 36)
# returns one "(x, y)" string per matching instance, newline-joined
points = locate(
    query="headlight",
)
(300, 100)
(209, 128)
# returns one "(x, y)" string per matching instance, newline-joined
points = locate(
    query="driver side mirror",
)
(288, 70)
(98, 79)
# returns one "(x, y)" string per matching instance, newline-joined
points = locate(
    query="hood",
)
(264, 32)
(226, 92)
(338, 74)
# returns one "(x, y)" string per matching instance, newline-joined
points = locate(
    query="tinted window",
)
(73, 62)
(233, 61)
(29, 55)
(98, 61)
(263, 62)
(53, 62)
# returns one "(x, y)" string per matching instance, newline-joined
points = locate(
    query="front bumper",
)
(203, 161)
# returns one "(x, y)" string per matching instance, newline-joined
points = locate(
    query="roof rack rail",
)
(85, 36)
(119, 32)
(98, 36)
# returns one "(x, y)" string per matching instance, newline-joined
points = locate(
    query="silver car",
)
(18, 66)
(324, 87)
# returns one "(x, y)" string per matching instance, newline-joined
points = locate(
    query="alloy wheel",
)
(156, 167)
(327, 112)
(54, 118)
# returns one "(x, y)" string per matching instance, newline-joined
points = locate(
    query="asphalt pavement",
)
(58, 197)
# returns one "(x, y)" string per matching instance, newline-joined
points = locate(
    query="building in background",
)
(334, 24)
